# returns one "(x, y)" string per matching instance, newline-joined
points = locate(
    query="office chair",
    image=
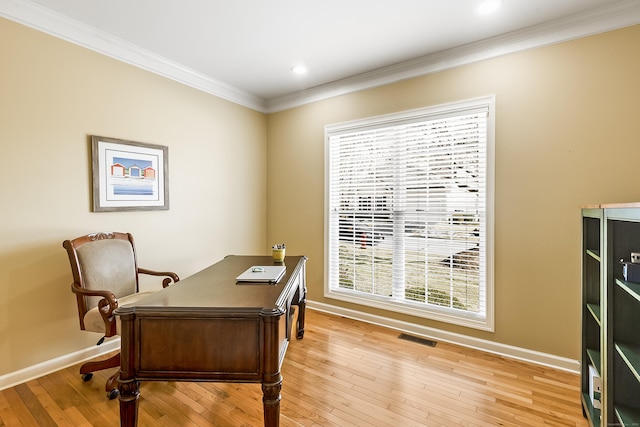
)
(105, 276)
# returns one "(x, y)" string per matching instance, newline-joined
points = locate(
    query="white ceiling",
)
(243, 50)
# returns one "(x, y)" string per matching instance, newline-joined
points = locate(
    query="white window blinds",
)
(407, 212)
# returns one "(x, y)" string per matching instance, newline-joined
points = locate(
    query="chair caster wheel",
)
(87, 377)
(113, 394)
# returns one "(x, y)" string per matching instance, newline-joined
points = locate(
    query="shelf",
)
(631, 356)
(594, 357)
(594, 309)
(592, 413)
(631, 288)
(627, 416)
(594, 253)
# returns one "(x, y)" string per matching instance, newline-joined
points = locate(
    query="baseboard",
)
(531, 356)
(41, 369)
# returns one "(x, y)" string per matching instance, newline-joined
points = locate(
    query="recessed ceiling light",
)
(488, 6)
(299, 69)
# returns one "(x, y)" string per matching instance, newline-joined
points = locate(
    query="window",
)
(409, 212)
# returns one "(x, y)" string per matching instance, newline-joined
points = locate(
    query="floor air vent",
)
(418, 340)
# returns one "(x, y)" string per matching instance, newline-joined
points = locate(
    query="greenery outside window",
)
(409, 212)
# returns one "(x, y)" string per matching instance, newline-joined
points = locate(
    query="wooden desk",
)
(208, 328)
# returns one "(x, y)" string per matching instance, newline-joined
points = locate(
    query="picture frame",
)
(129, 175)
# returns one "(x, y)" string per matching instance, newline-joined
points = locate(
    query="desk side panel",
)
(198, 348)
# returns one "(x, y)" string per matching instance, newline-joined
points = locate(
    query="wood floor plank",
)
(34, 406)
(343, 373)
(16, 411)
(8, 416)
(59, 417)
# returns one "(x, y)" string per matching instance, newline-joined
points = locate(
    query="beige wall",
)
(53, 95)
(567, 134)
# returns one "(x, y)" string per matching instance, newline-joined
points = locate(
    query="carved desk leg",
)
(128, 385)
(129, 398)
(271, 402)
(300, 320)
(271, 376)
(302, 304)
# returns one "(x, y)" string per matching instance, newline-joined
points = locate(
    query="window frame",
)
(483, 321)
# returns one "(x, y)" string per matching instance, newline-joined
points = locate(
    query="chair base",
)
(111, 386)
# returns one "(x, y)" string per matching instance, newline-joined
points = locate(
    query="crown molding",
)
(595, 21)
(618, 15)
(63, 27)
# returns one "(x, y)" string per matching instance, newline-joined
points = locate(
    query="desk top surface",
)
(215, 288)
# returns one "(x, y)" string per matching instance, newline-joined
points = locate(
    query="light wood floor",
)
(343, 373)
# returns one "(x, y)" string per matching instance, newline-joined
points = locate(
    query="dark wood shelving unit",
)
(610, 314)
(592, 278)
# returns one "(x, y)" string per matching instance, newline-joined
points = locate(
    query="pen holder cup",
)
(278, 255)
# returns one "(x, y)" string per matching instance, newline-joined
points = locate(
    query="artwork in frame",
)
(129, 175)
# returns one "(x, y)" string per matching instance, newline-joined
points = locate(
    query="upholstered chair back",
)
(107, 264)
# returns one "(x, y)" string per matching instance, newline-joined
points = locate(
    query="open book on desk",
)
(262, 274)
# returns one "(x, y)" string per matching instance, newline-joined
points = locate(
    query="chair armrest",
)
(109, 296)
(106, 305)
(170, 276)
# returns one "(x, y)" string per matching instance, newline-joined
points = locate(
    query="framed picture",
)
(128, 175)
